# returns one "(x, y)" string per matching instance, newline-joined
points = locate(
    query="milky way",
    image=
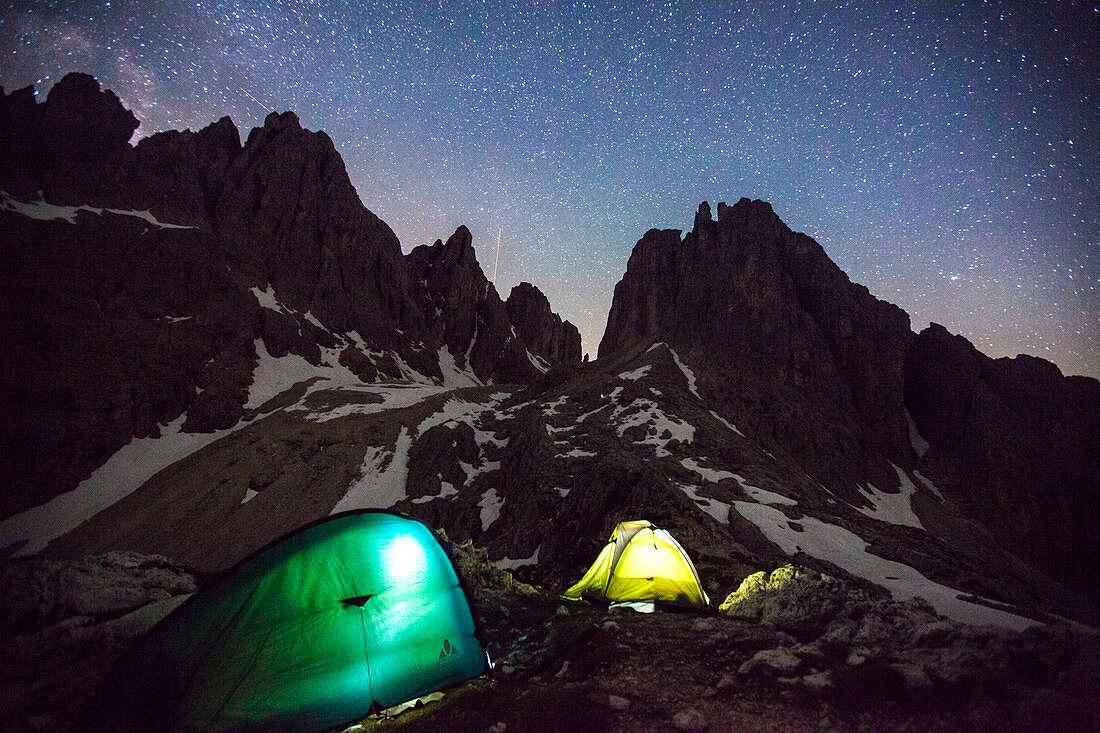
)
(944, 156)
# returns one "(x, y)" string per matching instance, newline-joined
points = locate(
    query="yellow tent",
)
(641, 563)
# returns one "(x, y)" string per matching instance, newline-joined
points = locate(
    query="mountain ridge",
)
(856, 389)
(150, 266)
(208, 344)
(743, 378)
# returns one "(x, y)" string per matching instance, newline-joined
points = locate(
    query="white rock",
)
(617, 702)
(689, 720)
(772, 662)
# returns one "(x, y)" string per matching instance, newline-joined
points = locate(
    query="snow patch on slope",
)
(276, 374)
(588, 414)
(709, 474)
(848, 551)
(266, 298)
(726, 422)
(456, 411)
(660, 428)
(538, 362)
(489, 504)
(453, 377)
(716, 475)
(42, 211)
(378, 487)
(920, 445)
(929, 485)
(445, 489)
(577, 453)
(473, 472)
(636, 374)
(763, 495)
(123, 473)
(689, 375)
(507, 563)
(549, 409)
(394, 396)
(717, 509)
(893, 508)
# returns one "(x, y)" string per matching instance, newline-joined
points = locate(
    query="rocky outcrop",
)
(786, 345)
(295, 221)
(544, 332)
(63, 623)
(1014, 442)
(846, 644)
(73, 144)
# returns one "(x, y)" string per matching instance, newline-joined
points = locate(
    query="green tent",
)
(355, 612)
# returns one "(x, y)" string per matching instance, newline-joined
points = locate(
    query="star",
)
(909, 142)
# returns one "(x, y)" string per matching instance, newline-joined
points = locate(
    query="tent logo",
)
(447, 650)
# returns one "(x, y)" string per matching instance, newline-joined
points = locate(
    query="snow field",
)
(538, 362)
(122, 474)
(635, 375)
(918, 443)
(507, 563)
(893, 508)
(383, 484)
(714, 476)
(848, 551)
(453, 377)
(717, 509)
(647, 413)
(42, 211)
(490, 505)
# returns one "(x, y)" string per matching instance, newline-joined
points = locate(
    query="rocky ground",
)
(62, 624)
(795, 650)
(790, 650)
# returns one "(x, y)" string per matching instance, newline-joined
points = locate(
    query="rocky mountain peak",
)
(469, 317)
(773, 323)
(447, 267)
(78, 134)
(784, 343)
(749, 213)
(1014, 440)
(702, 217)
(544, 332)
(276, 121)
(459, 250)
(79, 116)
(168, 276)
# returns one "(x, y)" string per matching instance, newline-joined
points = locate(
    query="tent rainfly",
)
(641, 563)
(359, 611)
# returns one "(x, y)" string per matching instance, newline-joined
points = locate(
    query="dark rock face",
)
(296, 222)
(807, 360)
(64, 623)
(818, 370)
(77, 134)
(1015, 443)
(470, 319)
(114, 323)
(90, 346)
(544, 332)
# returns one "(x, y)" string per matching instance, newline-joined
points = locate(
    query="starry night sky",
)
(945, 157)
